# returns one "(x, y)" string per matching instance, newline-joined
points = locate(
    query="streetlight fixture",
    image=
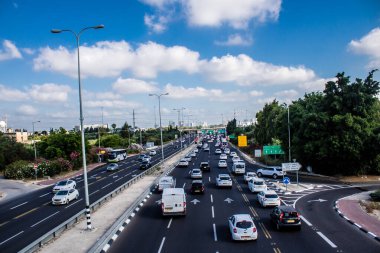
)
(179, 123)
(77, 37)
(34, 141)
(159, 112)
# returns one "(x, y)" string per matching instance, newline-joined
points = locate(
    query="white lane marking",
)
(184, 185)
(326, 239)
(44, 219)
(19, 205)
(212, 211)
(162, 244)
(106, 185)
(170, 222)
(1, 243)
(215, 236)
(209, 179)
(93, 192)
(106, 247)
(212, 200)
(74, 203)
(118, 179)
(94, 175)
(80, 180)
(306, 221)
(45, 194)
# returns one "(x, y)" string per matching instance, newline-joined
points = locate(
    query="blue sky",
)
(214, 57)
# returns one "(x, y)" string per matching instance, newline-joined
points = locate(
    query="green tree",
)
(11, 151)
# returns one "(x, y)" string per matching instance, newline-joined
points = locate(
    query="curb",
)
(336, 208)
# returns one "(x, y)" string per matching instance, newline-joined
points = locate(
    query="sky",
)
(215, 58)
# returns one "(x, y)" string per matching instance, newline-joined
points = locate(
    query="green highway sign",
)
(273, 150)
(232, 136)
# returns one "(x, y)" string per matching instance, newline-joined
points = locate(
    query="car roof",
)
(257, 179)
(204, 162)
(287, 208)
(224, 161)
(197, 182)
(170, 191)
(223, 175)
(270, 192)
(240, 217)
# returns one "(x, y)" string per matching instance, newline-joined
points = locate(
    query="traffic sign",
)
(242, 141)
(286, 180)
(273, 150)
(291, 166)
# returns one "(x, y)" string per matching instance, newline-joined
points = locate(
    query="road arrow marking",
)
(317, 200)
(195, 201)
(228, 200)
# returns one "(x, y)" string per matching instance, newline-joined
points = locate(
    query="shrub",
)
(19, 170)
(375, 195)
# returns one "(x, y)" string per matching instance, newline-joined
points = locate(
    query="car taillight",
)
(184, 204)
(254, 230)
(281, 217)
(235, 230)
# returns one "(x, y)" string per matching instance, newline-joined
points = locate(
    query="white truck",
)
(173, 201)
(238, 168)
(166, 182)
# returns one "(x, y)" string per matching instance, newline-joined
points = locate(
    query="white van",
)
(238, 168)
(173, 201)
(166, 182)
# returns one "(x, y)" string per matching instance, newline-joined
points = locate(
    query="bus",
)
(117, 155)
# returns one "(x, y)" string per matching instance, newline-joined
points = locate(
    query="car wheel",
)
(77, 196)
(274, 176)
(277, 226)
(67, 202)
(259, 174)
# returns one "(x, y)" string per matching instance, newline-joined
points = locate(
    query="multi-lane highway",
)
(25, 219)
(205, 227)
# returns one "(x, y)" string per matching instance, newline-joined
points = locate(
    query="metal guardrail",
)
(55, 232)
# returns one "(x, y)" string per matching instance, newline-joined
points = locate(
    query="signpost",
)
(291, 167)
(242, 141)
(286, 181)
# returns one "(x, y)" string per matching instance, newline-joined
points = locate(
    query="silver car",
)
(112, 167)
(64, 197)
(196, 173)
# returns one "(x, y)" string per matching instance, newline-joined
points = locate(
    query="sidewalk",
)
(350, 209)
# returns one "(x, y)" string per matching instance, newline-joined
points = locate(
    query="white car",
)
(235, 158)
(233, 153)
(64, 197)
(223, 157)
(224, 180)
(227, 151)
(274, 172)
(64, 185)
(257, 185)
(196, 173)
(249, 175)
(183, 163)
(222, 164)
(238, 168)
(152, 152)
(195, 150)
(187, 158)
(268, 198)
(193, 154)
(242, 227)
(218, 151)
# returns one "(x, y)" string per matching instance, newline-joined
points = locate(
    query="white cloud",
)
(28, 51)
(286, 94)
(158, 3)
(156, 23)
(368, 45)
(8, 94)
(317, 84)
(49, 92)
(130, 86)
(256, 93)
(245, 71)
(108, 59)
(27, 110)
(9, 51)
(235, 13)
(120, 104)
(180, 92)
(235, 40)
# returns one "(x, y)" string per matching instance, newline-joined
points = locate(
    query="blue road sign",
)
(286, 180)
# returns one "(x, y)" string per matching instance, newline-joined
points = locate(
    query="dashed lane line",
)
(170, 222)
(44, 219)
(43, 195)
(212, 200)
(106, 185)
(161, 245)
(74, 203)
(18, 205)
(326, 239)
(93, 192)
(212, 212)
(23, 214)
(215, 235)
(10, 238)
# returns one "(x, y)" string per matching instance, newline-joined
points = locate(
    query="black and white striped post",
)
(77, 36)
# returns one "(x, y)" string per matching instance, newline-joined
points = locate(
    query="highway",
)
(26, 218)
(205, 229)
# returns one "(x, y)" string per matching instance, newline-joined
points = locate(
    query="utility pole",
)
(155, 121)
(134, 122)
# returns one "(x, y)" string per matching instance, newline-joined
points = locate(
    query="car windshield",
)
(60, 193)
(290, 214)
(258, 183)
(222, 161)
(244, 224)
(62, 183)
(224, 178)
(196, 171)
(204, 164)
(271, 196)
(279, 169)
(145, 162)
(239, 166)
(197, 184)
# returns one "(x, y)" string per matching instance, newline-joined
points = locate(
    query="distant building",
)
(17, 135)
(77, 128)
(3, 126)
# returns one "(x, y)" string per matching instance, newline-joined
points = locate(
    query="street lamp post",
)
(159, 113)
(179, 123)
(34, 141)
(77, 37)
(290, 156)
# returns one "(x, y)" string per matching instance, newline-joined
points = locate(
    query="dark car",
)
(285, 216)
(145, 165)
(197, 186)
(141, 157)
(204, 166)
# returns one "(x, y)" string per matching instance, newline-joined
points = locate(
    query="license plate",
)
(168, 208)
(291, 221)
